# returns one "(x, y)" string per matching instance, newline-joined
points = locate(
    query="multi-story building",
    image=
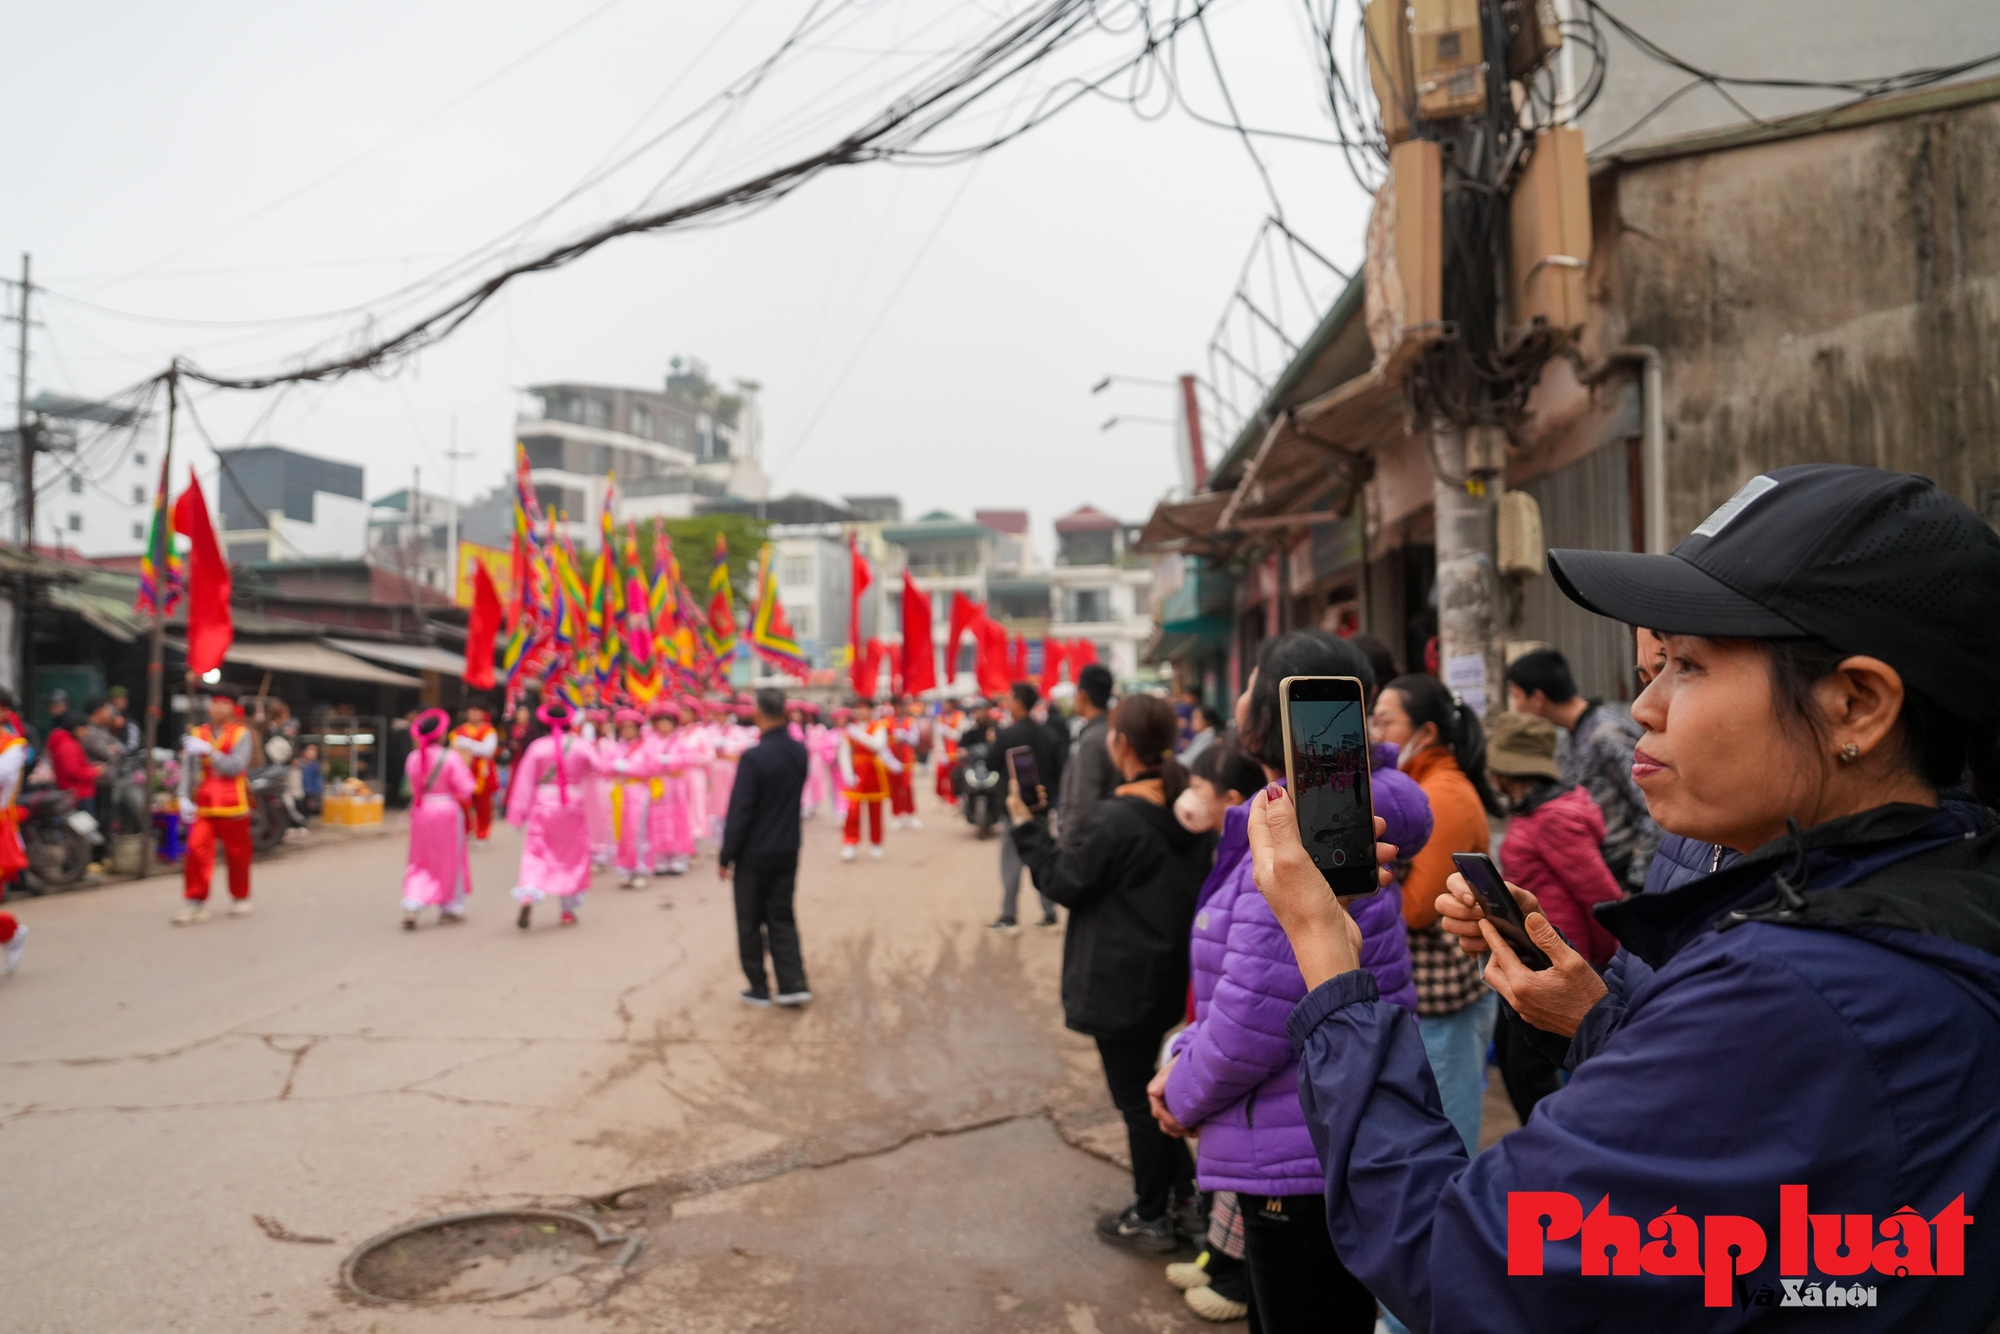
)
(1011, 548)
(1099, 590)
(96, 466)
(275, 504)
(416, 546)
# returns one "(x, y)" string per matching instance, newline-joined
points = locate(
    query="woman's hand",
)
(1325, 940)
(1156, 1098)
(1555, 999)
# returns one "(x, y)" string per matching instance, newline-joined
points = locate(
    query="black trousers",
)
(1297, 1283)
(1162, 1170)
(764, 887)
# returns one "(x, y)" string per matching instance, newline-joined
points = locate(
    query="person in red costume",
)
(215, 805)
(13, 855)
(904, 733)
(866, 762)
(476, 741)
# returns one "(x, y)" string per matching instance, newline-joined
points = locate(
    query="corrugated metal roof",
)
(307, 658)
(416, 657)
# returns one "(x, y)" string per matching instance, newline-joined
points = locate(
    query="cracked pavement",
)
(187, 1115)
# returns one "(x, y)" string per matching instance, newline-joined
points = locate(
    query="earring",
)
(1849, 753)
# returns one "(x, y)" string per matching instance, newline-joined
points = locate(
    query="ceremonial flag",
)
(1053, 655)
(770, 633)
(919, 659)
(721, 634)
(868, 660)
(161, 577)
(607, 590)
(858, 579)
(1081, 654)
(991, 638)
(1020, 657)
(965, 613)
(528, 600)
(211, 628)
(480, 628)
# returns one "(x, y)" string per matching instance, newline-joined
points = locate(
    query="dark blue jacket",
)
(763, 818)
(1826, 1013)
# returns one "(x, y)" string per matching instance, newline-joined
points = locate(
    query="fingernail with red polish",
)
(1273, 791)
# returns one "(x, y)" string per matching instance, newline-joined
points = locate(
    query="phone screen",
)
(1025, 773)
(1502, 909)
(1326, 766)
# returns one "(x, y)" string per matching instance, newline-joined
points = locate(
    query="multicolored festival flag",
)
(770, 633)
(162, 579)
(721, 634)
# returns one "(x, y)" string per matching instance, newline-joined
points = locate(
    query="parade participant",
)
(669, 826)
(823, 745)
(808, 732)
(948, 728)
(697, 748)
(734, 735)
(865, 765)
(904, 733)
(547, 803)
(477, 741)
(13, 855)
(596, 736)
(633, 768)
(215, 806)
(841, 718)
(436, 874)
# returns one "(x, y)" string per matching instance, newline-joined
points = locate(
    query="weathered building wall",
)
(1829, 298)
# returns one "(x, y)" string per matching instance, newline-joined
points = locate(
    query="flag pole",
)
(155, 662)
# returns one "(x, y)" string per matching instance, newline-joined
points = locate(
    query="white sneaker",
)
(626, 882)
(239, 907)
(895, 822)
(19, 943)
(915, 823)
(1209, 1304)
(677, 866)
(875, 851)
(639, 882)
(794, 998)
(1188, 1274)
(192, 911)
(847, 852)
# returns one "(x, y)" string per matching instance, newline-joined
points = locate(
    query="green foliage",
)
(694, 543)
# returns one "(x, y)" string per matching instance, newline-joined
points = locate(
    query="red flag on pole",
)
(480, 628)
(1020, 657)
(994, 677)
(858, 579)
(867, 673)
(1053, 655)
(211, 628)
(1081, 654)
(965, 613)
(919, 662)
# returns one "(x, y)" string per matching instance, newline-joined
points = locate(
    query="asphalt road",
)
(923, 1149)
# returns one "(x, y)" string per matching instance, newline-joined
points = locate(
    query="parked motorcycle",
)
(58, 838)
(270, 817)
(977, 785)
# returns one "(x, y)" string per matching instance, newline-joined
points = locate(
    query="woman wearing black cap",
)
(1787, 1086)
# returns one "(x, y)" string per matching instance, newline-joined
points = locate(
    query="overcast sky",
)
(198, 162)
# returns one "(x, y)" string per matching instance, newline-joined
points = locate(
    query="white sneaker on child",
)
(14, 949)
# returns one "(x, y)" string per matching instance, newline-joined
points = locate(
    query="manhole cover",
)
(479, 1257)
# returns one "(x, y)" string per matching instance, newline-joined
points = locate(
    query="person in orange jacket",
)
(215, 805)
(14, 750)
(476, 742)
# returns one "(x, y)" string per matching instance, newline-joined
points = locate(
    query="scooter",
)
(978, 787)
(57, 837)
(270, 817)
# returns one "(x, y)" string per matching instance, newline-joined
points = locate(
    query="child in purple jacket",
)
(1234, 1077)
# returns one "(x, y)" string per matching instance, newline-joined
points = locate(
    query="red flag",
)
(919, 663)
(1020, 657)
(1081, 654)
(480, 628)
(211, 628)
(965, 613)
(858, 579)
(994, 677)
(868, 660)
(1052, 662)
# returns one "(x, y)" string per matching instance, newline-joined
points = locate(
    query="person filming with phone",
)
(1023, 733)
(1788, 1081)
(1129, 883)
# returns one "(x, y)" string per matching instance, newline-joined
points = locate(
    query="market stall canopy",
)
(1176, 522)
(308, 658)
(415, 657)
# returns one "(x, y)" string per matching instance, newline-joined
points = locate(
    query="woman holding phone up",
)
(1129, 881)
(1788, 1081)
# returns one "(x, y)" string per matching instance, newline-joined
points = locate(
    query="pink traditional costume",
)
(436, 874)
(548, 804)
(632, 769)
(669, 826)
(596, 791)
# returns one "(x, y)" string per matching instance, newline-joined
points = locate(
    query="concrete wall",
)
(1832, 298)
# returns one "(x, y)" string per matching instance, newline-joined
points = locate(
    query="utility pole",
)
(452, 456)
(1468, 462)
(24, 450)
(156, 658)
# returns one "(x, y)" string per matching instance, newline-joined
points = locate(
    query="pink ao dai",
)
(555, 849)
(435, 874)
(671, 821)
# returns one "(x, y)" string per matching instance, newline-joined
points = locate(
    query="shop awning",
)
(309, 658)
(1176, 522)
(414, 657)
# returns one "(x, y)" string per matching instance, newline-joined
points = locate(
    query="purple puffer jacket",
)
(1236, 1079)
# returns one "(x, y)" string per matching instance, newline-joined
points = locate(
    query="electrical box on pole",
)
(1386, 29)
(1449, 58)
(1549, 215)
(1404, 271)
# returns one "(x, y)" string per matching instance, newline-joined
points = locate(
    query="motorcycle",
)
(58, 838)
(977, 785)
(270, 818)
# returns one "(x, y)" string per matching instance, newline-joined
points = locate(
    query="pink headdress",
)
(557, 716)
(632, 716)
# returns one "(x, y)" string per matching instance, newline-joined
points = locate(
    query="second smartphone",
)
(1326, 768)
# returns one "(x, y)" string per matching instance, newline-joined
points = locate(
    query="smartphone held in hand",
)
(1326, 769)
(1483, 877)
(1022, 761)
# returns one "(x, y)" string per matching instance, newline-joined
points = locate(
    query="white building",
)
(96, 468)
(273, 503)
(1099, 591)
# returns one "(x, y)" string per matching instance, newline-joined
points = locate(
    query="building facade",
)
(1099, 590)
(273, 503)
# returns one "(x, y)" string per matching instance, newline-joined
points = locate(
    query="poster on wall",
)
(499, 563)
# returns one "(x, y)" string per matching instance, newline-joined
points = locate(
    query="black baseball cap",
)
(1870, 562)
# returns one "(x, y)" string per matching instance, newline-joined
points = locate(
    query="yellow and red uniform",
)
(13, 853)
(947, 752)
(902, 795)
(864, 777)
(222, 815)
(485, 774)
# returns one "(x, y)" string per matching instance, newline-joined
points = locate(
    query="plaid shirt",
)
(1448, 979)
(1225, 1224)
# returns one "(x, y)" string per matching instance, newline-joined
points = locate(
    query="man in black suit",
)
(760, 846)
